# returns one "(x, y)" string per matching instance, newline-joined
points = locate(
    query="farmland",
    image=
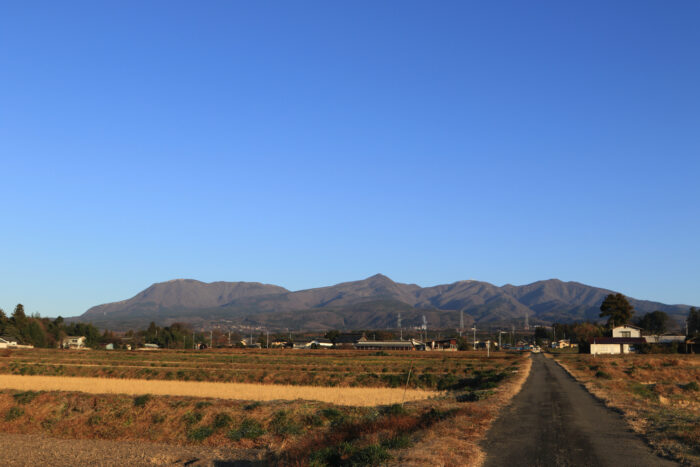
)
(433, 371)
(460, 394)
(658, 394)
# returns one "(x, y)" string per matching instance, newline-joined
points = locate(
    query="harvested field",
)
(464, 392)
(429, 370)
(364, 397)
(658, 394)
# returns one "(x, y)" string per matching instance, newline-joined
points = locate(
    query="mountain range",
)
(372, 303)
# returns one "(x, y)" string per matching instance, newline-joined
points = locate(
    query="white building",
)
(74, 342)
(627, 330)
(624, 340)
(7, 342)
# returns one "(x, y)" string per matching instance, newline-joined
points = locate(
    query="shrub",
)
(394, 381)
(200, 433)
(603, 375)
(25, 397)
(282, 425)
(94, 420)
(157, 418)
(692, 386)
(401, 441)
(14, 413)
(325, 456)
(202, 404)
(435, 415)
(248, 428)
(374, 454)
(190, 418)
(448, 381)
(141, 401)
(252, 406)
(643, 391)
(222, 420)
(393, 409)
(471, 396)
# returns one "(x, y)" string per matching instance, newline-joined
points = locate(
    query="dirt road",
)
(553, 421)
(32, 450)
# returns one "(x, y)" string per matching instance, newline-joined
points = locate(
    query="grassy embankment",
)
(297, 432)
(659, 396)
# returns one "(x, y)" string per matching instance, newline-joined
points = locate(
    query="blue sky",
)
(309, 143)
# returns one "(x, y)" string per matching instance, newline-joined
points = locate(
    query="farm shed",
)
(390, 345)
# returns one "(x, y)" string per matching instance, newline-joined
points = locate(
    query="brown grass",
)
(363, 397)
(446, 426)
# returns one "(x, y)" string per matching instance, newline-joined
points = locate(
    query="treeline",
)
(43, 332)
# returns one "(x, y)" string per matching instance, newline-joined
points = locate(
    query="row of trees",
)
(43, 332)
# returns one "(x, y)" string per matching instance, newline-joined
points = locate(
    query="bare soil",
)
(29, 449)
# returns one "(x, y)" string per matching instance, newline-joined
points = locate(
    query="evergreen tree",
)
(694, 321)
(655, 322)
(617, 309)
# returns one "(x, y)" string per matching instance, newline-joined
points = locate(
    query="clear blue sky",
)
(309, 143)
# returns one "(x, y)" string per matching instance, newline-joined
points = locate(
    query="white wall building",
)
(624, 339)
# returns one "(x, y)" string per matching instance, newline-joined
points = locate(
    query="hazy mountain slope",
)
(184, 294)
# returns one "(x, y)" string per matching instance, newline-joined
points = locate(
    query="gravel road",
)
(554, 421)
(33, 450)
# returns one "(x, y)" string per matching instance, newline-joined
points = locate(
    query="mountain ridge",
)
(342, 305)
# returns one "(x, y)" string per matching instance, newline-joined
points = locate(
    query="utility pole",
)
(461, 322)
(193, 344)
(211, 339)
(474, 341)
(229, 338)
(267, 340)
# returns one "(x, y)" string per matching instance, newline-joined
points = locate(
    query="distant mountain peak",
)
(371, 302)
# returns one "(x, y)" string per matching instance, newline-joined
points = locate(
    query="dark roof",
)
(385, 344)
(449, 339)
(618, 340)
(349, 337)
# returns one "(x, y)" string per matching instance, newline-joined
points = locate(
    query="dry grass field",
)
(354, 396)
(658, 394)
(314, 428)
